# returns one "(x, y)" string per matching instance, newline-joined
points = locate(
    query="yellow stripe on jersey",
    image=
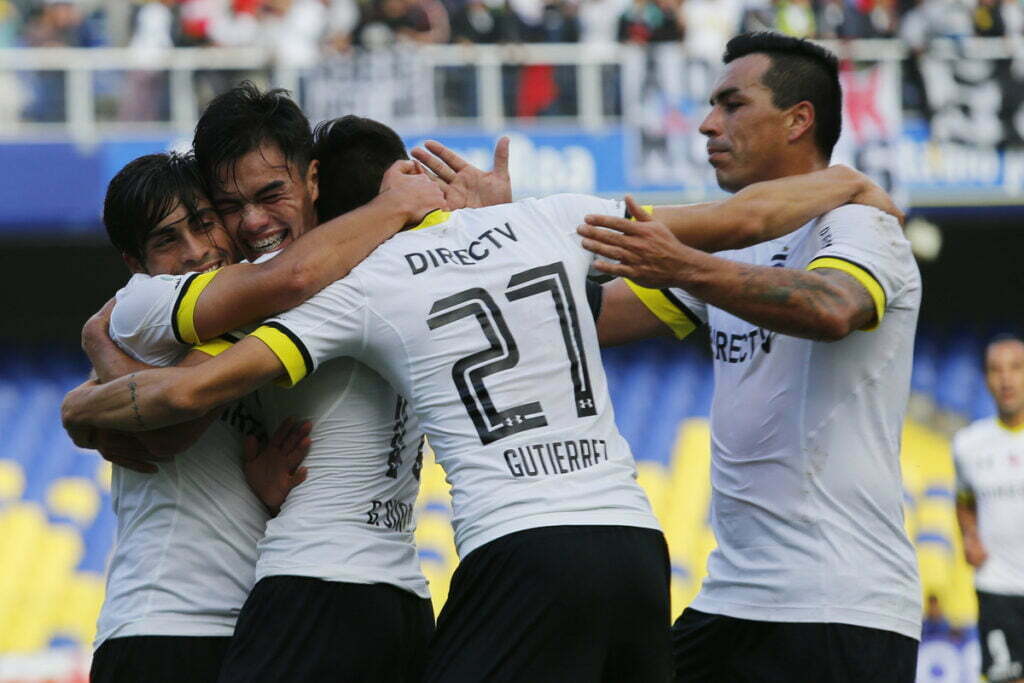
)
(288, 349)
(666, 310)
(862, 276)
(184, 321)
(648, 208)
(433, 218)
(214, 347)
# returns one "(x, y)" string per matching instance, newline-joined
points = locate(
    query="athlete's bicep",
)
(624, 318)
(865, 298)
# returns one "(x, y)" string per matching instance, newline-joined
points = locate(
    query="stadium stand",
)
(57, 527)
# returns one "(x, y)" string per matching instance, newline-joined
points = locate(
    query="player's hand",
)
(974, 552)
(124, 450)
(874, 195)
(645, 250)
(273, 470)
(411, 190)
(95, 331)
(465, 185)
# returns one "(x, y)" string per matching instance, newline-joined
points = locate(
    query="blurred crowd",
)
(299, 32)
(301, 28)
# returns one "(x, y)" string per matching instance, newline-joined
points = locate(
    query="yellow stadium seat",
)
(12, 481)
(75, 498)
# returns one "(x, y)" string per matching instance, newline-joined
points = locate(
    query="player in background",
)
(524, 511)
(989, 459)
(814, 577)
(185, 549)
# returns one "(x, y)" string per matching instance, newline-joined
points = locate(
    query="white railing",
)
(81, 66)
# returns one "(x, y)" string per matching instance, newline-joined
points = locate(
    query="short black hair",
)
(243, 118)
(800, 71)
(145, 192)
(353, 153)
(1000, 338)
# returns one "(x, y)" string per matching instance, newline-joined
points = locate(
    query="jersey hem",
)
(418, 588)
(641, 520)
(826, 614)
(186, 625)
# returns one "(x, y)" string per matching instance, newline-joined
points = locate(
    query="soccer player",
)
(186, 535)
(476, 317)
(814, 578)
(989, 459)
(159, 218)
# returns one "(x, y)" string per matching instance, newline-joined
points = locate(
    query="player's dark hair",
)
(243, 118)
(800, 71)
(145, 192)
(353, 153)
(999, 339)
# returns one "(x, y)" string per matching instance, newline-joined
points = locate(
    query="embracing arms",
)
(244, 293)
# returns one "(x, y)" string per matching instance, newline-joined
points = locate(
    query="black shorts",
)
(1001, 634)
(159, 659)
(711, 648)
(563, 603)
(298, 629)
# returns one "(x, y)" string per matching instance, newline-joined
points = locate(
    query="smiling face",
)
(265, 201)
(747, 134)
(1004, 374)
(183, 243)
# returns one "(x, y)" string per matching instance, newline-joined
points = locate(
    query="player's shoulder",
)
(861, 216)
(143, 295)
(976, 434)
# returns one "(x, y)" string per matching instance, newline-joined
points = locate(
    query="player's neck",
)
(1013, 422)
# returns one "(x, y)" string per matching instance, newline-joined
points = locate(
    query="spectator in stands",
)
(477, 23)
(145, 96)
(599, 20)
(795, 18)
(646, 21)
(710, 24)
(988, 19)
(989, 459)
(386, 21)
(293, 30)
(56, 23)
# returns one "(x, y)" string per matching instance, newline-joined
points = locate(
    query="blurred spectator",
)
(710, 24)
(646, 21)
(342, 18)
(599, 20)
(476, 22)
(935, 624)
(386, 21)
(795, 18)
(857, 19)
(56, 23)
(293, 29)
(988, 19)
(144, 96)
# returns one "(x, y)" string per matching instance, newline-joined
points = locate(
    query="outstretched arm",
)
(245, 293)
(967, 517)
(110, 363)
(157, 398)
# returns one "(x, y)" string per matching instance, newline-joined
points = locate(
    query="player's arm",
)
(240, 294)
(967, 516)
(156, 398)
(824, 304)
(624, 318)
(758, 213)
(764, 211)
(109, 363)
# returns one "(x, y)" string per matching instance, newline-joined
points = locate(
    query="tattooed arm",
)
(156, 398)
(823, 304)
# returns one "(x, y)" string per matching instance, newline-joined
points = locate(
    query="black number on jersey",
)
(469, 372)
(503, 354)
(552, 278)
(397, 438)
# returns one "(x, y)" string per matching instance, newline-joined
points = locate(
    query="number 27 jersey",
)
(480, 319)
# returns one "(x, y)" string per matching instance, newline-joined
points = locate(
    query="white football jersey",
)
(806, 499)
(480, 318)
(352, 519)
(185, 550)
(989, 459)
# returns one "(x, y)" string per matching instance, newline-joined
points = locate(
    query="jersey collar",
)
(433, 218)
(1015, 430)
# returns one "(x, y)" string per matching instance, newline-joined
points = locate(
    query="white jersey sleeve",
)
(869, 245)
(142, 320)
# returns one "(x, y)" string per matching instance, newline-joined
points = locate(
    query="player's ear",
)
(799, 120)
(134, 265)
(313, 179)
